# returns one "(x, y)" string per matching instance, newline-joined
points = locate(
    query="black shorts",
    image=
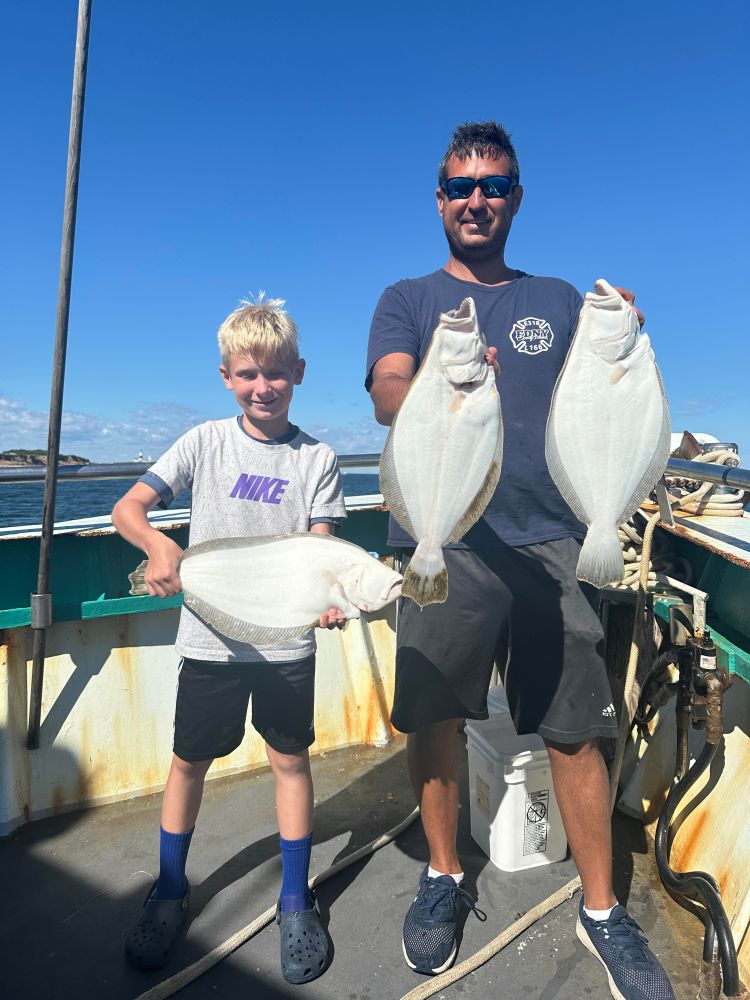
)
(212, 701)
(523, 609)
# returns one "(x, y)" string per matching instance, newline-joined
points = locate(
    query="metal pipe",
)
(706, 472)
(129, 470)
(700, 886)
(58, 368)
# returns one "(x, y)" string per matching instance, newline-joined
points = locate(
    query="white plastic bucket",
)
(515, 818)
(497, 702)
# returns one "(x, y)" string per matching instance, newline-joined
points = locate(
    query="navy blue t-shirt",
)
(531, 322)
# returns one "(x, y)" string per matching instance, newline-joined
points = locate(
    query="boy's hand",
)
(333, 618)
(162, 573)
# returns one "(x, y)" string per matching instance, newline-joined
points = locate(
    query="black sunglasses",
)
(463, 187)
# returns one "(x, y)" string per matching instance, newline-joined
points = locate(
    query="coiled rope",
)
(692, 497)
(702, 498)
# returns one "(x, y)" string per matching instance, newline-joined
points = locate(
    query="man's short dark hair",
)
(487, 139)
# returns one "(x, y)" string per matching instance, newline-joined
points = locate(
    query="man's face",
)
(477, 227)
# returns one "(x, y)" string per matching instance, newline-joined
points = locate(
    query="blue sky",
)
(293, 148)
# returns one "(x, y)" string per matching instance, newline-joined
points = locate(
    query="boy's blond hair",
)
(262, 329)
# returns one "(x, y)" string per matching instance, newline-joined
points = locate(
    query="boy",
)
(253, 474)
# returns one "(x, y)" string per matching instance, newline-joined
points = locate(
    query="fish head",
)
(370, 584)
(616, 332)
(461, 346)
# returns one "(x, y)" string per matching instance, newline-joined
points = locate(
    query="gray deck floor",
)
(73, 885)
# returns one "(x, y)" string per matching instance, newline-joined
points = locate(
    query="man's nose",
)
(477, 201)
(262, 385)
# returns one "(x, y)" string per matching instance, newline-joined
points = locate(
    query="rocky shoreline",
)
(16, 457)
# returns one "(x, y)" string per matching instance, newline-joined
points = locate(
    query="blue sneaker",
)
(633, 970)
(431, 925)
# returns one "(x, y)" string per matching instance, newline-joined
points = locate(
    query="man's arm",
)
(164, 555)
(391, 378)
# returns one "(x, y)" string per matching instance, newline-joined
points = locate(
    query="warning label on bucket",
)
(483, 796)
(536, 824)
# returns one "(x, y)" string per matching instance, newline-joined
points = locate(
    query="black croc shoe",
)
(305, 952)
(150, 941)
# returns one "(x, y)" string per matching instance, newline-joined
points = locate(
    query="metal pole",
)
(41, 601)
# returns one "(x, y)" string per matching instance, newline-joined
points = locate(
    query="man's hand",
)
(630, 299)
(162, 573)
(333, 618)
(491, 359)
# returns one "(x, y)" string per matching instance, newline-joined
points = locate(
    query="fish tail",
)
(601, 561)
(426, 576)
(138, 580)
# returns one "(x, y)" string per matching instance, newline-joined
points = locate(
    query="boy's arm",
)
(164, 555)
(334, 617)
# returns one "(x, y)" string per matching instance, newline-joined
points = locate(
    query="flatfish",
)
(441, 460)
(269, 589)
(608, 436)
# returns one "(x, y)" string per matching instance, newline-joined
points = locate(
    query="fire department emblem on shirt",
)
(531, 335)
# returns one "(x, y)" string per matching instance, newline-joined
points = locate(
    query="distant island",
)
(36, 456)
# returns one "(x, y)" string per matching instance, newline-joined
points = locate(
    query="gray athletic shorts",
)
(523, 609)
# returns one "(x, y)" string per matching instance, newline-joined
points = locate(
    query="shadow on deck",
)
(72, 886)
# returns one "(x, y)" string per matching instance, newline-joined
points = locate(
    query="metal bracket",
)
(41, 610)
(665, 507)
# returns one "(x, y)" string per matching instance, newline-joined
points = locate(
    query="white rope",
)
(701, 498)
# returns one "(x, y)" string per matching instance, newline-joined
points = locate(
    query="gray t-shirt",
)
(242, 486)
(530, 321)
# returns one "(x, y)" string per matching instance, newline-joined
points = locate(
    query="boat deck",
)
(73, 884)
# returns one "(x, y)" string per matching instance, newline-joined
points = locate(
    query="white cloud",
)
(358, 438)
(149, 430)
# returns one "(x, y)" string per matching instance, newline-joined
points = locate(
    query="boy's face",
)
(263, 392)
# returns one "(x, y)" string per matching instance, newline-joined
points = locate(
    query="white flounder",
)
(441, 460)
(269, 589)
(608, 436)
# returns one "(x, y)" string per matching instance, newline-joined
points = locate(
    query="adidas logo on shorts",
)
(609, 711)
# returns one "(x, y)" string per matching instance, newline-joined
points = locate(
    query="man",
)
(513, 596)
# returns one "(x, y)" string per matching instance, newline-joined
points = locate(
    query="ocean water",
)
(24, 503)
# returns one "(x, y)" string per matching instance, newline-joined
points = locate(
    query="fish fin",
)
(241, 542)
(555, 465)
(601, 562)
(390, 486)
(477, 506)
(240, 631)
(656, 466)
(426, 577)
(138, 579)
(617, 373)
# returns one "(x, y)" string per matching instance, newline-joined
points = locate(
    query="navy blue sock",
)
(295, 861)
(173, 851)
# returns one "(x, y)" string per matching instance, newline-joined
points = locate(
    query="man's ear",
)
(299, 371)
(517, 198)
(440, 195)
(226, 377)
